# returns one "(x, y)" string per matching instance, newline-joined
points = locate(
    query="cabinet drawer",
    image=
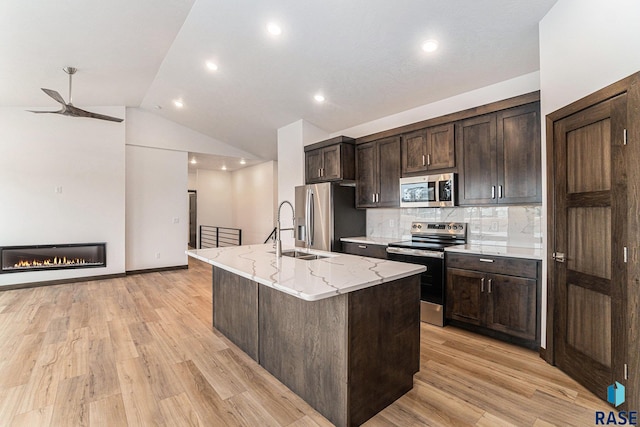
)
(494, 264)
(365, 249)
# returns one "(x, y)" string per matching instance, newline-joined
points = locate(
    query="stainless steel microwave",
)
(428, 191)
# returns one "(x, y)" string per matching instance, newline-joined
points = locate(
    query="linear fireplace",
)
(52, 257)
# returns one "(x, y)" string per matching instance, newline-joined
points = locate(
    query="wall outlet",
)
(58, 189)
(157, 255)
(392, 223)
(176, 220)
(494, 226)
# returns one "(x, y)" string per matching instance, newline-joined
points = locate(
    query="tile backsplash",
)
(518, 226)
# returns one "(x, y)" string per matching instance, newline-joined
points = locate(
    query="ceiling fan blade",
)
(79, 112)
(55, 95)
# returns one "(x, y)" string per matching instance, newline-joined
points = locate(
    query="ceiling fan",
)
(67, 108)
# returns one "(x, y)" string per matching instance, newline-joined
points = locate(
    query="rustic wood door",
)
(589, 232)
(414, 152)
(331, 163)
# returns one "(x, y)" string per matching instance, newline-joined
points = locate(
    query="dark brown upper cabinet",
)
(378, 173)
(427, 150)
(500, 157)
(331, 160)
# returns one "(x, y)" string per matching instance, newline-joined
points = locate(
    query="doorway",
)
(592, 178)
(193, 218)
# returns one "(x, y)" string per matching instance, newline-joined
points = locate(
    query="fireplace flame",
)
(48, 262)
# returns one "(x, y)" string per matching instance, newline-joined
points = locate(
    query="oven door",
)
(432, 280)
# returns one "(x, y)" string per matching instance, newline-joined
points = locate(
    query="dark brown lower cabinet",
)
(505, 306)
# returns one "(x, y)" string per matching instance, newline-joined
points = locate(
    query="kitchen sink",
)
(301, 255)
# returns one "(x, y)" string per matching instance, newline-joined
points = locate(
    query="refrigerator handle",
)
(311, 217)
(307, 216)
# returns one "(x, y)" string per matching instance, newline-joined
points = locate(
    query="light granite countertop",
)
(505, 251)
(309, 280)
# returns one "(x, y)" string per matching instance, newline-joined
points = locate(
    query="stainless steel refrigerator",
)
(326, 212)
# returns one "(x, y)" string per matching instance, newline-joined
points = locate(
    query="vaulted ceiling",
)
(364, 56)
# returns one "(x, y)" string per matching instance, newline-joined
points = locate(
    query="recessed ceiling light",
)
(274, 29)
(224, 168)
(178, 103)
(243, 162)
(319, 97)
(212, 66)
(430, 45)
(193, 161)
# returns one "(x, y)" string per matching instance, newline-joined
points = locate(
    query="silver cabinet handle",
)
(499, 191)
(423, 161)
(485, 260)
(319, 171)
(362, 246)
(482, 285)
(493, 191)
(373, 197)
(428, 159)
(489, 286)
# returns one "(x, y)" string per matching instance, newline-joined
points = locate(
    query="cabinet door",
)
(389, 172)
(414, 152)
(331, 163)
(477, 138)
(440, 147)
(313, 165)
(511, 305)
(464, 296)
(518, 155)
(366, 175)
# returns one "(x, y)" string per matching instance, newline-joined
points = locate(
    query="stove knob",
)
(448, 227)
(455, 227)
(419, 225)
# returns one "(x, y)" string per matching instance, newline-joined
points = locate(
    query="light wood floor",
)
(141, 351)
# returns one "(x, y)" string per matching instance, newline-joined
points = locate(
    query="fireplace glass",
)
(52, 257)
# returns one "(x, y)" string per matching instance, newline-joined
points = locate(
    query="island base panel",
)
(304, 345)
(348, 356)
(235, 310)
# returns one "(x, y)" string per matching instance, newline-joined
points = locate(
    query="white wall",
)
(156, 208)
(150, 130)
(215, 199)
(86, 158)
(488, 94)
(254, 201)
(585, 45)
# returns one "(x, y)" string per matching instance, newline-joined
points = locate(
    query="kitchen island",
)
(341, 331)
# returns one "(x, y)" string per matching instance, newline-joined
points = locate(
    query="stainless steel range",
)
(426, 247)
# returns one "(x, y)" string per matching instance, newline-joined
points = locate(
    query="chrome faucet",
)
(278, 229)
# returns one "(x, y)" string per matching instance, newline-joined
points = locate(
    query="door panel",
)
(464, 295)
(589, 158)
(589, 222)
(314, 163)
(389, 172)
(366, 174)
(414, 152)
(512, 305)
(518, 155)
(440, 145)
(584, 332)
(331, 163)
(479, 172)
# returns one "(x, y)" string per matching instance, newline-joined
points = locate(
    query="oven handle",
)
(415, 252)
